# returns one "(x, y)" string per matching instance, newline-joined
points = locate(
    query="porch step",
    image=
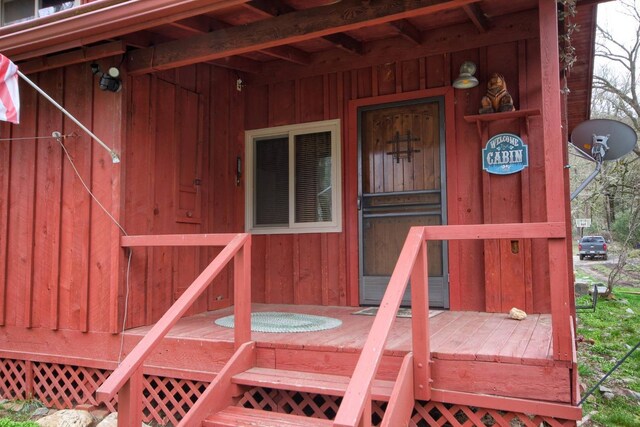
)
(310, 382)
(235, 416)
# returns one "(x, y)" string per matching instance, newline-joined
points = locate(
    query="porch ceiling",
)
(253, 36)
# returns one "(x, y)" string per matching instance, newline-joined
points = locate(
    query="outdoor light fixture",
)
(109, 81)
(466, 79)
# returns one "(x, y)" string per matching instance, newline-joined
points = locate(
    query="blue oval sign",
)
(505, 153)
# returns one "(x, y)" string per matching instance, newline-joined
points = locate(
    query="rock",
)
(604, 389)
(582, 288)
(608, 396)
(40, 412)
(66, 418)
(632, 394)
(15, 406)
(630, 311)
(517, 314)
(112, 421)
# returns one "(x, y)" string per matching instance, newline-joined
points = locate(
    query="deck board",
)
(457, 335)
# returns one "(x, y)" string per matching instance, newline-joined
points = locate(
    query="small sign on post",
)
(583, 222)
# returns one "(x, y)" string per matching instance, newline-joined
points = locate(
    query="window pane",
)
(14, 11)
(313, 177)
(272, 182)
(47, 7)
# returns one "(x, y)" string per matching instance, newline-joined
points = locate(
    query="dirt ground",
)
(599, 269)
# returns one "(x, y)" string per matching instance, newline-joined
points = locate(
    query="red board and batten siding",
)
(295, 268)
(58, 273)
(57, 268)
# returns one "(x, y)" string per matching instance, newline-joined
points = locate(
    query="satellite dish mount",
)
(601, 140)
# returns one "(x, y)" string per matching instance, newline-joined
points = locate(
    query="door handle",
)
(359, 203)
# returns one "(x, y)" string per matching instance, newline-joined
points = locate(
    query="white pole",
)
(114, 156)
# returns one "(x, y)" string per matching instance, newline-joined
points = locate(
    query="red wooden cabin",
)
(293, 156)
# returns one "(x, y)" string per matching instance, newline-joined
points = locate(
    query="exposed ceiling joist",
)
(407, 30)
(272, 8)
(281, 30)
(203, 26)
(476, 15)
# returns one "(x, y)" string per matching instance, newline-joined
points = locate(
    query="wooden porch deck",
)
(467, 335)
(472, 352)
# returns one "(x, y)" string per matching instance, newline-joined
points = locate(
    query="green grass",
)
(614, 332)
(5, 422)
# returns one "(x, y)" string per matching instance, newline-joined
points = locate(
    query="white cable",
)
(126, 306)
(59, 137)
(25, 138)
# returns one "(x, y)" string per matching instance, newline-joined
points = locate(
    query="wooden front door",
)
(401, 185)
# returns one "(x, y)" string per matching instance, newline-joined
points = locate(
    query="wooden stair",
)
(307, 382)
(235, 416)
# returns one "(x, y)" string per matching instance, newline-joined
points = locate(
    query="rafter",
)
(407, 30)
(270, 8)
(476, 15)
(281, 30)
(76, 56)
(202, 26)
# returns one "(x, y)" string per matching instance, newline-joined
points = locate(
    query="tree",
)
(616, 95)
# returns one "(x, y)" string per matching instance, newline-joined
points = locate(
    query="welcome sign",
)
(505, 153)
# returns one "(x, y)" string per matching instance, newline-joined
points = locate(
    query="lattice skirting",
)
(424, 413)
(165, 400)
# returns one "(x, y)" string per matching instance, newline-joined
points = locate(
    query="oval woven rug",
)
(280, 322)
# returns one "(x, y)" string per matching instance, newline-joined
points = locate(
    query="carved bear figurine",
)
(497, 98)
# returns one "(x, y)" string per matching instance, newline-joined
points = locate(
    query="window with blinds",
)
(293, 178)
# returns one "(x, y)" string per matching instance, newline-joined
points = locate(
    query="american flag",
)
(9, 96)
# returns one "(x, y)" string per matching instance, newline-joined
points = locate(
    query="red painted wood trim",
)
(420, 327)
(508, 404)
(356, 398)
(130, 401)
(532, 230)
(219, 393)
(136, 357)
(402, 399)
(242, 294)
(502, 116)
(177, 240)
(97, 21)
(555, 197)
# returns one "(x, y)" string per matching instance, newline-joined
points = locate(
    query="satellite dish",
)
(600, 140)
(604, 139)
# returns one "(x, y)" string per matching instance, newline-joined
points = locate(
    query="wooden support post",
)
(242, 294)
(130, 401)
(28, 377)
(420, 325)
(555, 196)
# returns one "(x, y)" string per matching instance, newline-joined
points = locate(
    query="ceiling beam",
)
(407, 30)
(476, 15)
(270, 8)
(200, 26)
(281, 30)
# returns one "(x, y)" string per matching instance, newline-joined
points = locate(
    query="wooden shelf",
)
(481, 119)
(502, 116)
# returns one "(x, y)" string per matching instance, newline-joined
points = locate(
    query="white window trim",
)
(291, 131)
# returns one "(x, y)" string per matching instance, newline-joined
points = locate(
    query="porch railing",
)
(127, 379)
(355, 409)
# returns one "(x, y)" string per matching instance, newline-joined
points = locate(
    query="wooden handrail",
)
(239, 244)
(412, 262)
(358, 392)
